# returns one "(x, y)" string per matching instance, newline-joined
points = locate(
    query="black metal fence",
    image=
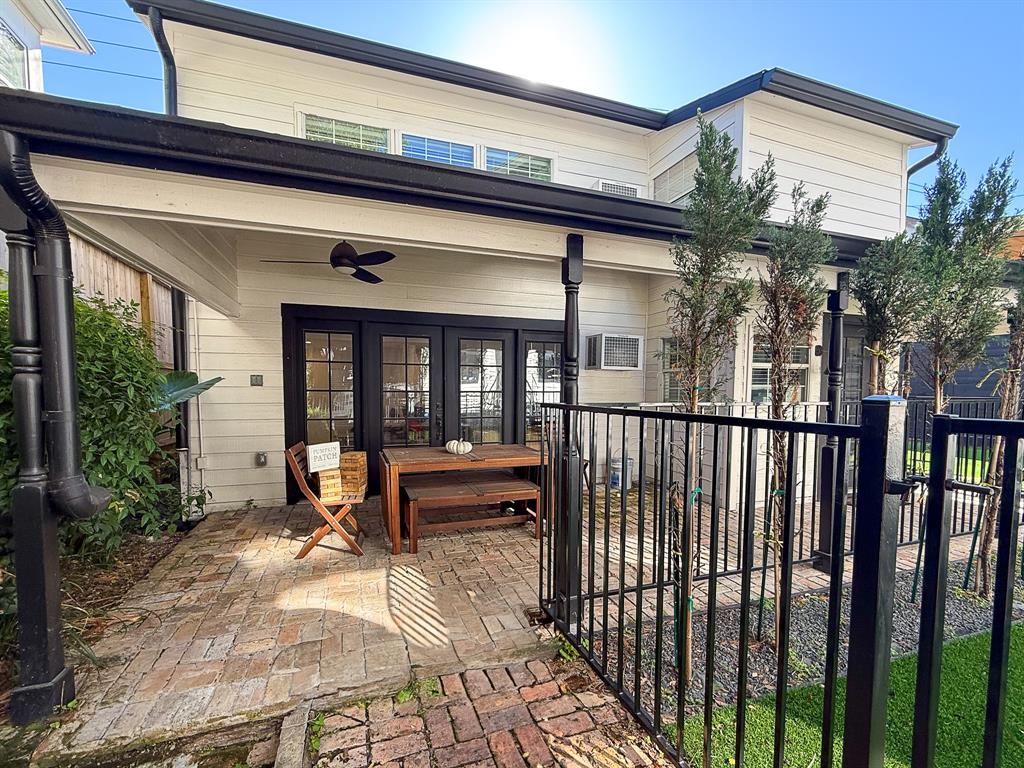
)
(949, 435)
(680, 580)
(645, 580)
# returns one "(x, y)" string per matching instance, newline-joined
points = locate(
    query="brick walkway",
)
(527, 714)
(230, 627)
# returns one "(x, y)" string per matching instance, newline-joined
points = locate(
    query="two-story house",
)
(283, 140)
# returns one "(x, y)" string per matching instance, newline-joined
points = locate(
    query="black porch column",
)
(45, 681)
(568, 520)
(838, 301)
(45, 399)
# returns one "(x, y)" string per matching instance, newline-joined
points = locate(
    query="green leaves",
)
(179, 386)
(724, 214)
(963, 267)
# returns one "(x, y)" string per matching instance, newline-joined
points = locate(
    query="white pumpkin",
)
(458, 447)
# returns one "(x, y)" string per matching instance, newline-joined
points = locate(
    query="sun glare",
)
(554, 43)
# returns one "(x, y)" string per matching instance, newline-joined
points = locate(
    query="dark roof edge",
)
(257, 26)
(825, 96)
(303, 37)
(100, 133)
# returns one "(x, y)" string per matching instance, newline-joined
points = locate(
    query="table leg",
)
(384, 473)
(393, 511)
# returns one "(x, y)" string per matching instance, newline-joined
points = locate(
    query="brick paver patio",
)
(229, 626)
(526, 714)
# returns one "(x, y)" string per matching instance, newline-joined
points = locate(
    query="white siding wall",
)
(238, 420)
(19, 23)
(229, 79)
(863, 168)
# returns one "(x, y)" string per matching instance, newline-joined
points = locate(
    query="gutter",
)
(940, 149)
(66, 484)
(156, 26)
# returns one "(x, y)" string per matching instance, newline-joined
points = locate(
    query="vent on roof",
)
(618, 188)
(615, 352)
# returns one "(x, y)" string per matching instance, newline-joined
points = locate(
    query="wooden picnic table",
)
(394, 462)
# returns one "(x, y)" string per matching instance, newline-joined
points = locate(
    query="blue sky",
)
(955, 60)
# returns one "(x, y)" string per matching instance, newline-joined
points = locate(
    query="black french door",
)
(373, 379)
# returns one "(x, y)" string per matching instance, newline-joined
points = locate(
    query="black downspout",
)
(179, 325)
(156, 26)
(68, 488)
(940, 149)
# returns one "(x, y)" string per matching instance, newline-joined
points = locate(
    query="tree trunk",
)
(873, 368)
(1009, 398)
(778, 390)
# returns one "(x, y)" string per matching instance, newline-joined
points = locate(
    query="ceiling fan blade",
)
(374, 257)
(366, 276)
(287, 261)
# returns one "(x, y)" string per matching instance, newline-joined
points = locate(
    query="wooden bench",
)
(466, 492)
(351, 490)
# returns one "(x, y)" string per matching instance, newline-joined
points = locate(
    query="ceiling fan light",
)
(344, 269)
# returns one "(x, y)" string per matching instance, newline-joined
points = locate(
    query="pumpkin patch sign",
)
(321, 456)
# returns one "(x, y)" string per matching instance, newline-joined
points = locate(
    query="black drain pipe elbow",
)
(940, 149)
(67, 486)
(156, 26)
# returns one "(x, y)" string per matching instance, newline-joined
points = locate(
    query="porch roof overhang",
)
(84, 130)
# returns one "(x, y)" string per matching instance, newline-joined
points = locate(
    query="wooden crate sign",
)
(321, 456)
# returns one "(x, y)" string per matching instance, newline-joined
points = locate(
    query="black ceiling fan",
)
(344, 258)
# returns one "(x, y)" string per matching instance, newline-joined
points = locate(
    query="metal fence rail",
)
(949, 434)
(643, 580)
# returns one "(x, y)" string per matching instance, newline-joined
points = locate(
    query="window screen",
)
(13, 64)
(518, 164)
(437, 151)
(347, 134)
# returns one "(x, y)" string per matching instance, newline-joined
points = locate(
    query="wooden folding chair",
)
(351, 490)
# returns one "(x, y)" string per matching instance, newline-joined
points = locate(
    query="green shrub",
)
(118, 381)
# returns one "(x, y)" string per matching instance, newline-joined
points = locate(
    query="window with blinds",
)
(13, 61)
(355, 135)
(518, 164)
(760, 371)
(437, 151)
(674, 184)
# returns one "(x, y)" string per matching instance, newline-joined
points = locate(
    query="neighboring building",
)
(26, 26)
(289, 139)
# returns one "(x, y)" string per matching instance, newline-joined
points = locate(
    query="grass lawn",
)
(961, 715)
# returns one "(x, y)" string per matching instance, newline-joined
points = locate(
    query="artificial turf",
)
(961, 715)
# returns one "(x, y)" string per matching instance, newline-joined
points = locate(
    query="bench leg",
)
(412, 519)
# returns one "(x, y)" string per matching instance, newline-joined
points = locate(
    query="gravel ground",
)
(965, 615)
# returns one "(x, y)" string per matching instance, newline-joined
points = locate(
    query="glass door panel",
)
(479, 385)
(405, 390)
(329, 365)
(543, 382)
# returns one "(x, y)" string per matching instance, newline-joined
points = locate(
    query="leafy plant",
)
(118, 380)
(316, 726)
(890, 288)
(792, 294)
(179, 386)
(962, 262)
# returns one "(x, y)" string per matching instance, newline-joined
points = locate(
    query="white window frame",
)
(429, 135)
(551, 156)
(804, 367)
(301, 113)
(26, 74)
(668, 379)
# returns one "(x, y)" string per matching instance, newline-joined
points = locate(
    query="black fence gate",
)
(676, 563)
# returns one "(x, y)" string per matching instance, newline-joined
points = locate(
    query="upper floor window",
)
(518, 164)
(675, 183)
(355, 135)
(672, 391)
(761, 365)
(13, 61)
(435, 150)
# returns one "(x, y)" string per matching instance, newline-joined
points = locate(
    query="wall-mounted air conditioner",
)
(615, 352)
(617, 188)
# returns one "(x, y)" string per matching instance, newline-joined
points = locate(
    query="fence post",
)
(879, 490)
